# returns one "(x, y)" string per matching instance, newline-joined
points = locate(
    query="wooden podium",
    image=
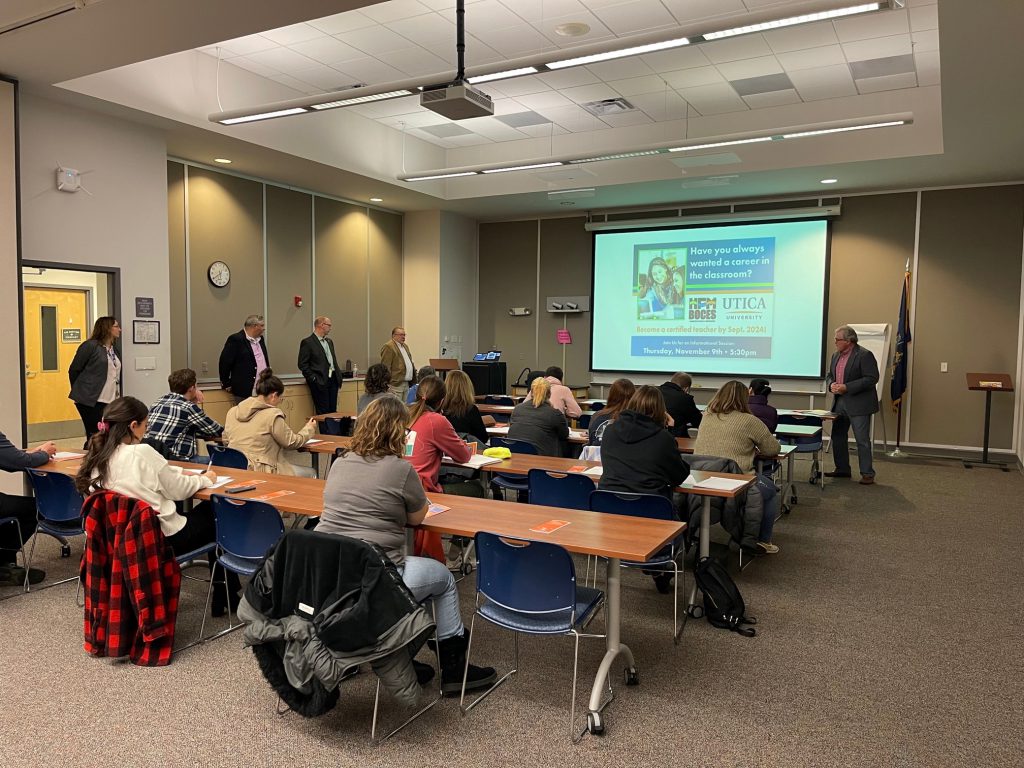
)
(444, 364)
(988, 383)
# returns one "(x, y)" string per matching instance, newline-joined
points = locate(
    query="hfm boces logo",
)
(702, 308)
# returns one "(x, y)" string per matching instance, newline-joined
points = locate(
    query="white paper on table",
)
(721, 483)
(313, 441)
(497, 430)
(475, 462)
(594, 471)
(690, 480)
(63, 455)
(576, 433)
(223, 480)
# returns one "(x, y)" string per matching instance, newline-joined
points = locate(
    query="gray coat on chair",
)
(740, 516)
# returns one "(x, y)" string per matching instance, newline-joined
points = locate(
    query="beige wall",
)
(422, 287)
(11, 378)
(289, 274)
(459, 281)
(967, 299)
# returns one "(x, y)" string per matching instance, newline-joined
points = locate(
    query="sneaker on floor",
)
(14, 575)
(767, 548)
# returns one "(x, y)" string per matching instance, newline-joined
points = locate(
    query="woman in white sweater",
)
(118, 461)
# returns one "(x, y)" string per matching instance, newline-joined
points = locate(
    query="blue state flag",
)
(901, 356)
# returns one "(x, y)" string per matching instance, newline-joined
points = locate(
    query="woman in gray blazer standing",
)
(95, 374)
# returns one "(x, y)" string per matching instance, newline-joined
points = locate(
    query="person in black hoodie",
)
(679, 404)
(640, 456)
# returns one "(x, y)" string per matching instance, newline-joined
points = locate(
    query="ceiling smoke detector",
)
(572, 29)
(606, 107)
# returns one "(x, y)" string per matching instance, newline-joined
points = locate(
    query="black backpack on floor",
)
(723, 603)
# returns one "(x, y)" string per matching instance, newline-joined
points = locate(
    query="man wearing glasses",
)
(243, 357)
(398, 359)
(319, 364)
(853, 374)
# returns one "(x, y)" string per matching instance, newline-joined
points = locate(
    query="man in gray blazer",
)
(852, 376)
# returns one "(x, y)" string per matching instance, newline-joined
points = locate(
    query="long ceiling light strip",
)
(782, 135)
(521, 67)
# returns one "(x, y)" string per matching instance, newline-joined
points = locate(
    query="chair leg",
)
(573, 736)
(28, 565)
(463, 707)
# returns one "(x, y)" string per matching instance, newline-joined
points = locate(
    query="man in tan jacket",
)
(398, 359)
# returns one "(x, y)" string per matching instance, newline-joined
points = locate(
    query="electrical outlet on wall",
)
(943, 367)
(206, 367)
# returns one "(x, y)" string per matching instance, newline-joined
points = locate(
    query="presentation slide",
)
(742, 299)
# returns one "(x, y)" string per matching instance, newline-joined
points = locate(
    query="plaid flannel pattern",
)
(177, 422)
(131, 581)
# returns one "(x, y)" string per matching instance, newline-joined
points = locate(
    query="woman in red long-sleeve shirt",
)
(430, 438)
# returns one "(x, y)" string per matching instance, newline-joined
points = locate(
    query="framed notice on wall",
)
(146, 331)
(144, 306)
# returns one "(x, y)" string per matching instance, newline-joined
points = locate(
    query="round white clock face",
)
(219, 274)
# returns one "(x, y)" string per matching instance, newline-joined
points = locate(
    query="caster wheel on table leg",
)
(595, 724)
(467, 568)
(632, 676)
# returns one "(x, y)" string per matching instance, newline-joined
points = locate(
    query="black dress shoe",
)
(837, 474)
(663, 583)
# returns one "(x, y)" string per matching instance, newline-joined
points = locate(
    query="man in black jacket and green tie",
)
(319, 364)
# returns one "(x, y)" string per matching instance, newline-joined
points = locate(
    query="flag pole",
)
(897, 453)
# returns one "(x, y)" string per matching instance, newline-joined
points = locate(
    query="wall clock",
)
(219, 274)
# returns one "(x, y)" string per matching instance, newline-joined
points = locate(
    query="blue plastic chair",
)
(583, 422)
(653, 507)
(246, 530)
(222, 456)
(502, 483)
(341, 426)
(529, 587)
(59, 507)
(812, 445)
(557, 489)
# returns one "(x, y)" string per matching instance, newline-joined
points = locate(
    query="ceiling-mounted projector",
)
(458, 101)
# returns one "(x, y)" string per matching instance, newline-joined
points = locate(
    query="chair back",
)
(340, 426)
(583, 422)
(222, 456)
(597, 406)
(808, 443)
(557, 489)
(56, 497)
(649, 505)
(514, 445)
(523, 575)
(245, 527)
(504, 400)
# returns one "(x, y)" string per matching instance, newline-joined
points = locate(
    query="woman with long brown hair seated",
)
(618, 398)
(459, 406)
(118, 461)
(376, 384)
(373, 494)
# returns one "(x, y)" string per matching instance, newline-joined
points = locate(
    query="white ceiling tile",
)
(801, 36)
(637, 85)
(296, 33)
(492, 128)
(323, 77)
(585, 93)
(714, 99)
(574, 119)
(421, 134)
(543, 100)
(549, 25)
(887, 83)
(697, 10)
(384, 13)
(429, 30)
(629, 17)
(243, 46)
(540, 10)
(439, 5)
(372, 71)
(328, 50)
(883, 24)
(924, 17)
(417, 62)
(392, 107)
(627, 118)
(412, 119)
(927, 63)
(477, 53)
(491, 14)
(520, 86)
(925, 40)
(620, 69)
(824, 82)
(736, 48)
(739, 70)
(691, 78)
(342, 22)
(686, 57)
(260, 69)
(878, 48)
(567, 78)
(508, 107)
(471, 140)
(374, 40)
(295, 84)
(773, 99)
(518, 40)
(825, 56)
(282, 59)
(538, 131)
(661, 106)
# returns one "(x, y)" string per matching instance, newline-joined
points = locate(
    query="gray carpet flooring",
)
(889, 634)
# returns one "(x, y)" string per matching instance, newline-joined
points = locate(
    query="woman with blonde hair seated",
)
(258, 428)
(536, 421)
(731, 431)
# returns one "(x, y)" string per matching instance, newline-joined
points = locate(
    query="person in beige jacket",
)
(257, 427)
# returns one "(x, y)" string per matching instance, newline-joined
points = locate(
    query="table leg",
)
(316, 463)
(788, 486)
(613, 644)
(705, 545)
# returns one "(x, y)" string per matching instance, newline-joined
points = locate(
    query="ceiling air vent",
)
(607, 107)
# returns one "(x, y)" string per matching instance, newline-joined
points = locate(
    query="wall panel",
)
(508, 278)
(178, 272)
(385, 283)
(289, 274)
(564, 276)
(341, 275)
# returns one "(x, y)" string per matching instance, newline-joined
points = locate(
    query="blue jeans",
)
(770, 506)
(840, 435)
(427, 578)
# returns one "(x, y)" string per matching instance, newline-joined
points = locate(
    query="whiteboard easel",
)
(876, 338)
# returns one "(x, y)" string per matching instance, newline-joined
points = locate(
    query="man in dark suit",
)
(319, 365)
(852, 376)
(679, 404)
(243, 357)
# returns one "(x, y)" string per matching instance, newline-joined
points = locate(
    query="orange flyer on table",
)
(550, 526)
(272, 495)
(577, 468)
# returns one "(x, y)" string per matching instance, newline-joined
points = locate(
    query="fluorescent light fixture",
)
(822, 132)
(621, 53)
(571, 191)
(829, 181)
(806, 18)
(502, 75)
(441, 176)
(222, 160)
(376, 199)
(363, 99)
(523, 167)
(618, 156)
(714, 144)
(263, 116)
